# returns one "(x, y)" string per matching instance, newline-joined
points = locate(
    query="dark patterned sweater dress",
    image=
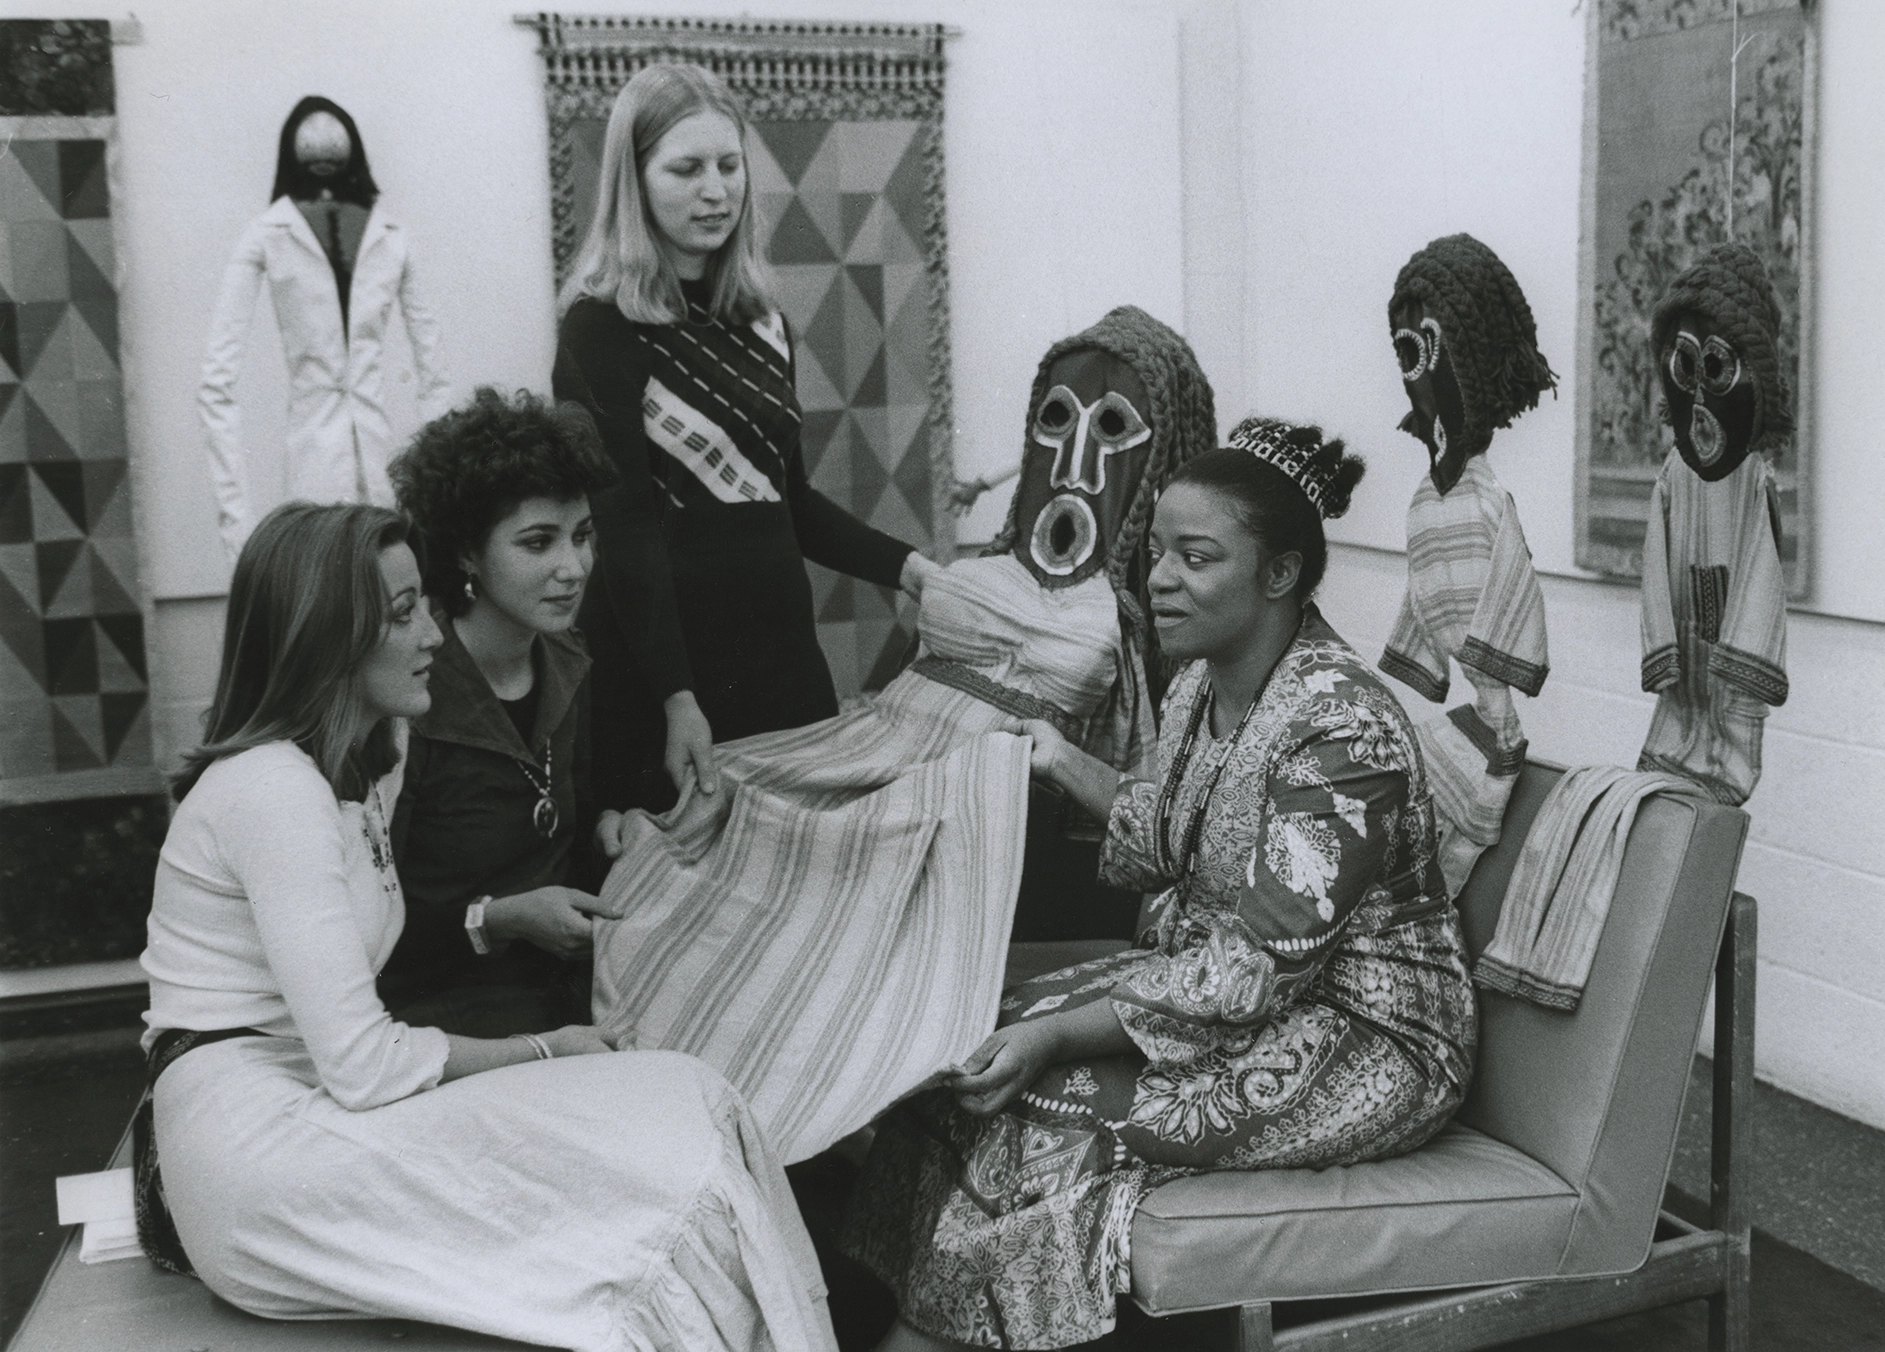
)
(702, 544)
(1302, 1000)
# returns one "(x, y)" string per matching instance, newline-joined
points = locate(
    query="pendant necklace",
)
(544, 815)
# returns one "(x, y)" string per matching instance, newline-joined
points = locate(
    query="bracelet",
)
(537, 1045)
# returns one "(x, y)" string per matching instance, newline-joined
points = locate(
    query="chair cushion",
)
(1462, 1210)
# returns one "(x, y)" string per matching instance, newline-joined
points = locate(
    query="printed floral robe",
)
(1300, 1000)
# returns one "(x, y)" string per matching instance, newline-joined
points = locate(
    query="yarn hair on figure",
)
(1730, 286)
(1488, 328)
(1183, 418)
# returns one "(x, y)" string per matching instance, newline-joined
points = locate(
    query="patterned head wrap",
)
(1729, 284)
(1488, 328)
(1183, 419)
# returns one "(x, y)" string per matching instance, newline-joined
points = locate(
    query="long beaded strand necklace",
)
(1168, 792)
(544, 816)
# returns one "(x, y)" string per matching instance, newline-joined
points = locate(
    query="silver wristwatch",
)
(474, 926)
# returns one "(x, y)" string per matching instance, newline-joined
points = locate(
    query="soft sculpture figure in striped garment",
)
(1714, 596)
(1468, 351)
(830, 928)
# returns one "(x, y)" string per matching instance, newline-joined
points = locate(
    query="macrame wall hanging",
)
(1661, 149)
(74, 692)
(846, 172)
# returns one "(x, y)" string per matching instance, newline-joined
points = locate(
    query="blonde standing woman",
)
(699, 618)
(321, 1160)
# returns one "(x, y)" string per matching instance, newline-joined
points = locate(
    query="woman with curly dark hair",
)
(496, 800)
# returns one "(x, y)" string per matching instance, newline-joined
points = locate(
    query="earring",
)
(471, 588)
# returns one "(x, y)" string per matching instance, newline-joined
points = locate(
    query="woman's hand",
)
(555, 919)
(576, 1039)
(917, 571)
(1050, 748)
(690, 744)
(611, 833)
(1008, 1061)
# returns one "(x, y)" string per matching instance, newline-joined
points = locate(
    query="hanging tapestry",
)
(74, 694)
(846, 173)
(1662, 75)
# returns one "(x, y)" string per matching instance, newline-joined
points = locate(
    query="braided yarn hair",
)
(1487, 326)
(1183, 419)
(1729, 285)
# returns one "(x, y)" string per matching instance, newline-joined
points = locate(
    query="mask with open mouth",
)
(1087, 447)
(1716, 335)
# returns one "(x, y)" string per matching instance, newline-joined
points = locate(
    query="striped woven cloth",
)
(830, 928)
(1472, 597)
(1559, 897)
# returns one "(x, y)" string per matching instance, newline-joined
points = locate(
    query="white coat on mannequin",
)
(339, 439)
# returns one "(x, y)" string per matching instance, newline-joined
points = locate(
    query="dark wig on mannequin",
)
(353, 184)
(1271, 500)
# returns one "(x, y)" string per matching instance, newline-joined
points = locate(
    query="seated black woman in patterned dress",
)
(1301, 998)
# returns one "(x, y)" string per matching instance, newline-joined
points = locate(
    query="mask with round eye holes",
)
(1088, 442)
(1433, 388)
(1713, 405)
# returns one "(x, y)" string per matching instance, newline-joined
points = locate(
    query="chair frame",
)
(1691, 1264)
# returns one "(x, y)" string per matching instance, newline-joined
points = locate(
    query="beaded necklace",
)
(379, 842)
(1187, 857)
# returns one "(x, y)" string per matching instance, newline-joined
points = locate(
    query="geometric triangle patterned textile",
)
(74, 684)
(846, 177)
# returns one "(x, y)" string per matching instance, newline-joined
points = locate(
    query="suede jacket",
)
(465, 825)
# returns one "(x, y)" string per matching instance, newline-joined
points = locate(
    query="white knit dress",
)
(600, 1202)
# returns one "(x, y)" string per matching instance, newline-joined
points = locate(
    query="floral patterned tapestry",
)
(74, 691)
(1658, 150)
(846, 172)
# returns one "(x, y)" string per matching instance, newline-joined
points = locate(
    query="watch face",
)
(1714, 404)
(1433, 388)
(1087, 446)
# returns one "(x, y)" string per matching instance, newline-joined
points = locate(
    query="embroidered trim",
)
(1718, 789)
(1493, 975)
(1760, 678)
(702, 448)
(1514, 671)
(1409, 672)
(1020, 703)
(1501, 762)
(1662, 668)
(1708, 592)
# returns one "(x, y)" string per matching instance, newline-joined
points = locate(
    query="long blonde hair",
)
(621, 259)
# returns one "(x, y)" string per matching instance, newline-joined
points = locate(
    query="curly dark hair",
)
(466, 471)
(1270, 498)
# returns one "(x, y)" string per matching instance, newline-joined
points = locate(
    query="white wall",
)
(1063, 183)
(1374, 126)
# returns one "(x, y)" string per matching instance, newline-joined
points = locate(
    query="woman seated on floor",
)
(322, 1160)
(496, 796)
(1302, 998)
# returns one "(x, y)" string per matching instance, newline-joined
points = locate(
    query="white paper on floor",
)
(104, 1205)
